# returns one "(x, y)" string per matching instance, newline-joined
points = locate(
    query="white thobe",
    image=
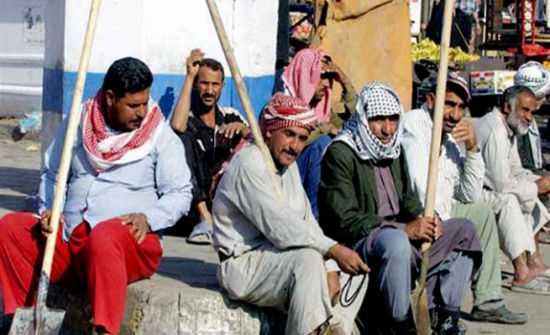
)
(509, 188)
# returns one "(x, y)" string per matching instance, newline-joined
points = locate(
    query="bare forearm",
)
(183, 105)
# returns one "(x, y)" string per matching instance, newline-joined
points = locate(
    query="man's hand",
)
(339, 75)
(543, 184)
(347, 259)
(192, 62)
(464, 132)
(424, 228)
(333, 280)
(138, 225)
(234, 128)
(45, 222)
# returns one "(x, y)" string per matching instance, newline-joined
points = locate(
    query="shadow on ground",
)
(193, 272)
(19, 180)
(13, 203)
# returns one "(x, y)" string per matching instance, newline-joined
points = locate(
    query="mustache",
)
(290, 152)
(208, 95)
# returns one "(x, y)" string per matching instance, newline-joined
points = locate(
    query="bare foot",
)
(522, 272)
(536, 264)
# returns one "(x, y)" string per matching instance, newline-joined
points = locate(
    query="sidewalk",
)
(19, 176)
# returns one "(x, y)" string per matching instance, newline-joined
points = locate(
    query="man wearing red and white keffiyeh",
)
(275, 236)
(128, 181)
(310, 77)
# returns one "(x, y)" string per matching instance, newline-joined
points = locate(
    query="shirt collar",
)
(218, 117)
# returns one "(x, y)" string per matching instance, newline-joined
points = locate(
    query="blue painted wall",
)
(59, 86)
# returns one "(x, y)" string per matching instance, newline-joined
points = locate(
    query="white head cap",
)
(535, 76)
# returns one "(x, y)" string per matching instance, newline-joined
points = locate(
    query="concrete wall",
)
(21, 56)
(161, 33)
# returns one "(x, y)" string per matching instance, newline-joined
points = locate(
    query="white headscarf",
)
(535, 76)
(377, 98)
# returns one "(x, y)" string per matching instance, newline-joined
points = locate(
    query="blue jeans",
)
(309, 165)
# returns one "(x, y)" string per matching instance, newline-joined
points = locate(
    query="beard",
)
(514, 121)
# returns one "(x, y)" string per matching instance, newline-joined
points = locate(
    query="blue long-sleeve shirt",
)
(158, 185)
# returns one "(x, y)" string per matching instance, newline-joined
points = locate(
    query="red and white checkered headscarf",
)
(283, 111)
(302, 77)
(105, 149)
(280, 112)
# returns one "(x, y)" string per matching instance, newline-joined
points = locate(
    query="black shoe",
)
(405, 327)
(499, 315)
(446, 323)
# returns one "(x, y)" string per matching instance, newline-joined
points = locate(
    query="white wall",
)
(161, 33)
(21, 55)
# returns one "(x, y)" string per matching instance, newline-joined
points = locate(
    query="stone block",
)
(182, 298)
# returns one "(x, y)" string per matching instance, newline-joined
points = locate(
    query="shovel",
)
(420, 296)
(41, 319)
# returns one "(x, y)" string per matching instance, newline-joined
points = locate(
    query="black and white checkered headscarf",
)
(376, 99)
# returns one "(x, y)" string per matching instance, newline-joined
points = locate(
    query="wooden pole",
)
(241, 89)
(422, 313)
(74, 120)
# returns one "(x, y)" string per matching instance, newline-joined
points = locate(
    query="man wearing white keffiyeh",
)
(366, 202)
(537, 78)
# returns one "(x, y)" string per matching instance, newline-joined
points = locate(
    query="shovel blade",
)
(421, 311)
(24, 321)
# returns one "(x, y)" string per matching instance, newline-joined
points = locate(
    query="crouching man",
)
(366, 201)
(126, 183)
(272, 250)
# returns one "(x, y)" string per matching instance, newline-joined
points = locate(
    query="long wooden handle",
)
(241, 89)
(74, 120)
(422, 313)
(429, 210)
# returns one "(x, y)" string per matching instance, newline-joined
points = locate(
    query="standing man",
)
(271, 248)
(459, 187)
(208, 131)
(366, 201)
(128, 181)
(511, 190)
(466, 25)
(310, 77)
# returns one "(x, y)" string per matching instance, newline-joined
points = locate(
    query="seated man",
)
(309, 77)
(128, 181)
(270, 246)
(209, 132)
(366, 201)
(535, 76)
(511, 190)
(459, 186)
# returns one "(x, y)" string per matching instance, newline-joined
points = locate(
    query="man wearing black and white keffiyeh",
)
(366, 202)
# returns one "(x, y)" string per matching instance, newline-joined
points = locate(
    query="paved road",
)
(19, 175)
